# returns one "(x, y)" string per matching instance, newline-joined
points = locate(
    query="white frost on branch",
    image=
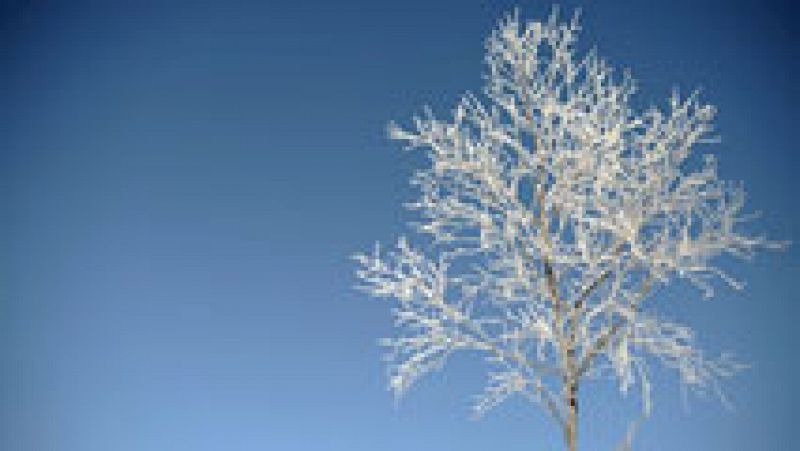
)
(550, 209)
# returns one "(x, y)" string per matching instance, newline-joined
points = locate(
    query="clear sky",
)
(182, 183)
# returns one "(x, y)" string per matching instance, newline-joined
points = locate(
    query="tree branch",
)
(605, 338)
(502, 354)
(550, 401)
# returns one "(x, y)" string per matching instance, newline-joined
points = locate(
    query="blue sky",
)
(183, 182)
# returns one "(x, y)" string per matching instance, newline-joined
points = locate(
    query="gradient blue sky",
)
(182, 184)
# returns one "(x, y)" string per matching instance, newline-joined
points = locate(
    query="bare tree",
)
(549, 213)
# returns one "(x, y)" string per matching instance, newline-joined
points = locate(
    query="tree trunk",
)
(571, 427)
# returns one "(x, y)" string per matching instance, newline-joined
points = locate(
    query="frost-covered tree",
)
(550, 211)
